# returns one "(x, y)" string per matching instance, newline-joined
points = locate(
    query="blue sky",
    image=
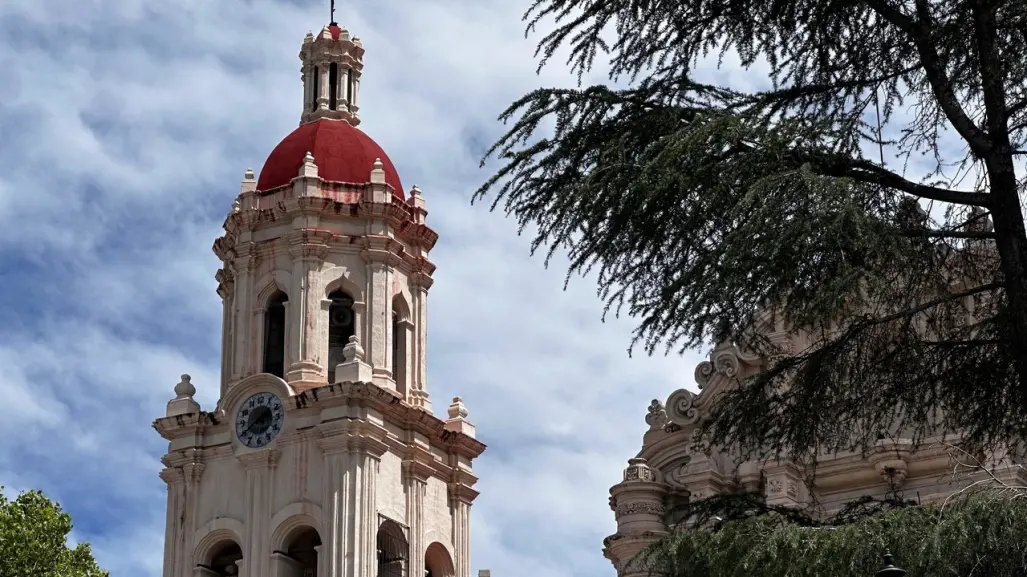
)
(125, 127)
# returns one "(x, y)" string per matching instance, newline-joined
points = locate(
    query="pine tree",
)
(712, 212)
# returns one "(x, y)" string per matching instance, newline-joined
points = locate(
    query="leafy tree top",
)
(701, 206)
(33, 540)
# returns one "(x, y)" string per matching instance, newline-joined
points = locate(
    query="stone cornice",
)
(395, 411)
(419, 468)
(183, 425)
(462, 493)
(352, 436)
(340, 199)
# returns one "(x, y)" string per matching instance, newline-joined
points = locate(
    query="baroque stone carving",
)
(775, 487)
(637, 470)
(678, 473)
(643, 507)
(657, 417)
(682, 407)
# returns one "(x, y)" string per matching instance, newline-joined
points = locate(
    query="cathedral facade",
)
(323, 457)
(667, 472)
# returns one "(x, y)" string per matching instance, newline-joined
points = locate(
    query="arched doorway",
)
(222, 559)
(438, 562)
(393, 549)
(299, 555)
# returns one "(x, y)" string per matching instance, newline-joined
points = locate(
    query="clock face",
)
(259, 420)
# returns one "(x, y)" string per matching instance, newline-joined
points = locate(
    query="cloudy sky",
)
(125, 127)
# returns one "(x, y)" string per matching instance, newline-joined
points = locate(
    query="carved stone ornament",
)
(682, 407)
(775, 486)
(643, 507)
(678, 473)
(637, 470)
(725, 360)
(657, 417)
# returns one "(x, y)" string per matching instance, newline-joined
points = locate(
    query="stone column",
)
(415, 485)
(419, 284)
(403, 365)
(243, 313)
(176, 556)
(350, 524)
(322, 97)
(379, 317)
(226, 290)
(259, 467)
(310, 321)
(638, 506)
(460, 497)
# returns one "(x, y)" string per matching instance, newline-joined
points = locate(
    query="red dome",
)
(341, 152)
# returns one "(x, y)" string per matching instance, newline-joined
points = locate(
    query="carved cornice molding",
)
(461, 493)
(172, 475)
(395, 411)
(185, 425)
(640, 507)
(352, 436)
(262, 459)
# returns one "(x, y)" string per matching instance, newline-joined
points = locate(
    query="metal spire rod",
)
(332, 21)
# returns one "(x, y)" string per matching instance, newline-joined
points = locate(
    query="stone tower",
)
(322, 457)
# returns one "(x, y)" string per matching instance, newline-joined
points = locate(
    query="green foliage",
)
(980, 534)
(702, 206)
(33, 540)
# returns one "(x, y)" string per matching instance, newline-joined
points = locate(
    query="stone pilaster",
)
(259, 467)
(243, 312)
(460, 498)
(174, 527)
(348, 502)
(415, 485)
(379, 317)
(420, 283)
(308, 250)
(226, 290)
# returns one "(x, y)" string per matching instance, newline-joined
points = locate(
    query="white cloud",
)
(127, 128)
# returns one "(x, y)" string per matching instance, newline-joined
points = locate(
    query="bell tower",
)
(322, 457)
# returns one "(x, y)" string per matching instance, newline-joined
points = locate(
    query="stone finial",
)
(457, 420)
(416, 200)
(236, 206)
(484, 573)
(352, 351)
(183, 403)
(185, 387)
(353, 369)
(457, 410)
(657, 417)
(378, 172)
(249, 182)
(309, 37)
(356, 40)
(309, 167)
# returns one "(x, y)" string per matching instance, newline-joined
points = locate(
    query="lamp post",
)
(890, 570)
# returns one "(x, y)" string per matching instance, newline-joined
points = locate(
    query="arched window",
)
(317, 89)
(300, 554)
(333, 85)
(223, 559)
(396, 361)
(392, 547)
(437, 561)
(274, 335)
(340, 328)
